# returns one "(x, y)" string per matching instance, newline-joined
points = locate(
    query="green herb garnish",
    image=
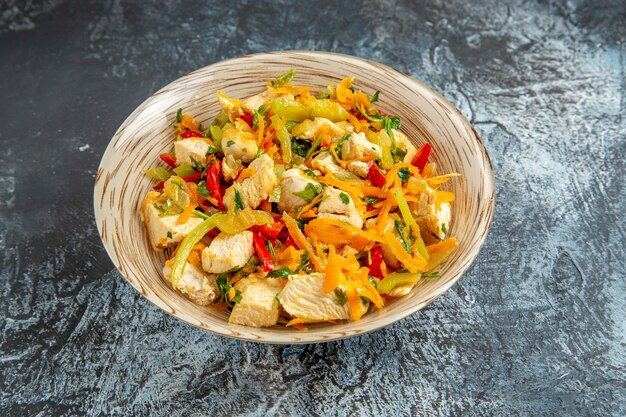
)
(309, 192)
(179, 116)
(238, 201)
(345, 199)
(284, 79)
(340, 296)
(404, 174)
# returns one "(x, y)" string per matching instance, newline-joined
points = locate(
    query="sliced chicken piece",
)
(197, 285)
(405, 144)
(258, 306)
(258, 187)
(231, 168)
(227, 252)
(357, 146)
(310, 129)
(360, 168)
(164, 231)
(338, 205)
(251, 104)
(294, 181)
(326, 163)
(433, 219)
(240, 145)
(189, 150)
(303, 297)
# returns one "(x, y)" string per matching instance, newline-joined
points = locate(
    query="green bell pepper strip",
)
(397, 279)
(184, 170)
(158, 173)
(226, 223)
(283, 137)
(410, 222)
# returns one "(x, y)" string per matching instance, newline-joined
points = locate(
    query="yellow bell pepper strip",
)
(283, 137)
(397, 279)
(301, 241)
(439, 252)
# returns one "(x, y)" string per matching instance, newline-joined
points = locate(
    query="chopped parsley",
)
(374, 98)
(179, 116)
(431, 275)
(263, 109)
(341, 141)
(210, 150)
(224, 287)
(304, 260)
(284, 79)
(310, 192)
(345, 199)
(169, 235)
(202, 190)
(340, 296)
(313, 147)
(310, 173)
(255, 120)
(404, 174)
(280, 273)
(406, 241)
(370, 201)
(230, 143)
(196, 165)
(300, 147)
(444, 228)
(179, 185)
(238, 201)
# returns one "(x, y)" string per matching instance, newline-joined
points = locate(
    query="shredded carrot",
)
(231, 293)
(333, 151)
(313, 202)
(365, 158)
(336, 232)
(301, 241)
(328, 179)
(371, 191)
(392, 174)
(381, 222)
(371, 213)
(260, 130)
(439, 252)
(434, 181)
(333, 270)
(245, 173)
(297, 320)
(189, 122)
(413, 264)
(266, 206)
(186, 213)
(355, 303)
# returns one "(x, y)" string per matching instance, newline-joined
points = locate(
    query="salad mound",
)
(297, 207)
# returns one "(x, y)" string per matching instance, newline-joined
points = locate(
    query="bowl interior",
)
(426, 117)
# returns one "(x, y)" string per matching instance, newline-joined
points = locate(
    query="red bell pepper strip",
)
(192, 178)
(169, 159)
(191, 134)
(421, 158)
(290, 242)
(262, 253)
(377, 178)
(213, 181)
(376, 255)
(270, 231)
(248, 118)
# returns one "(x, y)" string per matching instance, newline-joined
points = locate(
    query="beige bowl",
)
(426, 117)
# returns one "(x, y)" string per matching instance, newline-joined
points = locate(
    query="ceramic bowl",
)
(426, 117)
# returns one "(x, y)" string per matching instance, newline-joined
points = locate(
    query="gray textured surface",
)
(536, 327)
